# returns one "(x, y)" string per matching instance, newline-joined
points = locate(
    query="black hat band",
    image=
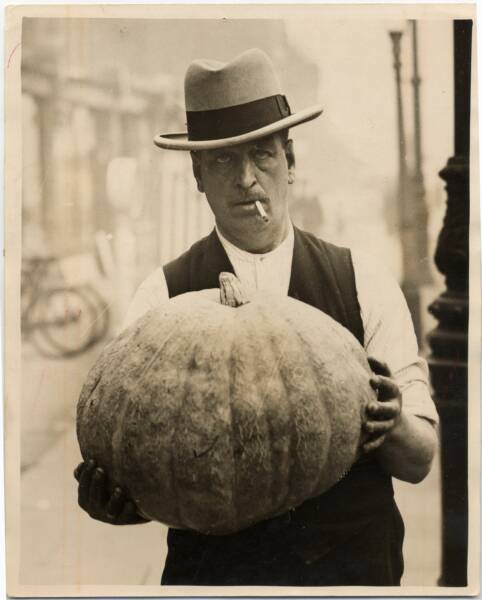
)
(236, 120)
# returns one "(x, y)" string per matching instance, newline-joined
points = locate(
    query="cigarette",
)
(261, 211)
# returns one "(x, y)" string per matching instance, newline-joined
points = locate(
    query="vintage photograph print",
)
(241, 353)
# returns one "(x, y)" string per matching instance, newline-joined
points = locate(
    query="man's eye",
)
(222, 159)
(262, 154)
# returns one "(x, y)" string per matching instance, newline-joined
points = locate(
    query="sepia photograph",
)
(241, 355)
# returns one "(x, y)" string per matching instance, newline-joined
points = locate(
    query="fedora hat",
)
(232, 103)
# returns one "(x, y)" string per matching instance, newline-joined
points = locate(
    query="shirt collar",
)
(285, 247)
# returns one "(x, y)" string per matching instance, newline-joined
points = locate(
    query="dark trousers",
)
(370, 555)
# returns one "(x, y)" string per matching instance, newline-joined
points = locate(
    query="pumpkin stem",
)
(232, 292)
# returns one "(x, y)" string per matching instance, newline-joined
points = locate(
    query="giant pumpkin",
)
(216, 415)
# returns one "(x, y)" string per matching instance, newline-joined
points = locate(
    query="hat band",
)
(235, 120)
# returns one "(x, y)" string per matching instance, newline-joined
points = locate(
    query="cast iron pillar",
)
(449, 341)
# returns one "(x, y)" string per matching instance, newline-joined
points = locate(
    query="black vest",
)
(321, 275)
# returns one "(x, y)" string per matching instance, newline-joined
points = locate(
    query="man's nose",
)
(246, 176)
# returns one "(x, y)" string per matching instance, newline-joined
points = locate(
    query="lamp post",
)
(449, 340)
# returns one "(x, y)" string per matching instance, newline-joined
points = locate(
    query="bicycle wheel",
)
(67, 321)
(33, 329)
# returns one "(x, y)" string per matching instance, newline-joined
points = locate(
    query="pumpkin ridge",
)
(314, 373)
(269, 427)
(278, 352)
(87, 396)
(172, 460)
(313, 358)
(276, 362)
(232, 371)
(118, 433)
(268, 423)
(155, 355)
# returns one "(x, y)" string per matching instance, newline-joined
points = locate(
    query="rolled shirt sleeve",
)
(390, 336)
(151, 293)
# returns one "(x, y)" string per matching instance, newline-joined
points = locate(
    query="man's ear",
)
(290, 159)
(196, 169)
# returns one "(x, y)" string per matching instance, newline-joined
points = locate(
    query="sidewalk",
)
(421, 509)
(60, 544)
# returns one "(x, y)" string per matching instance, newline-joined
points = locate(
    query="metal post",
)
(449, 341)
(422, 271)
(407, 217)
(396, 37)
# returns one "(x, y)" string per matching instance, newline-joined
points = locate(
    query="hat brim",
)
(180, 141)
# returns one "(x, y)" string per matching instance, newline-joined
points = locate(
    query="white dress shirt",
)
(388, 328)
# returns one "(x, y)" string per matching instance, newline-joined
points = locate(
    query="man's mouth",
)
(254, 206)
(245, 201)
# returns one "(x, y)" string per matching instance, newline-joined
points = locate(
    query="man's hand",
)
(384, 413)
(406, 443)
(95, 499)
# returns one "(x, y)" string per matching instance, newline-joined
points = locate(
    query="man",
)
(243, 161)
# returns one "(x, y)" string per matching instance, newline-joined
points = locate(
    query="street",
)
(60, 544)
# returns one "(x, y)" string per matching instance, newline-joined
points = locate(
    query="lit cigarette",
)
(261, 211)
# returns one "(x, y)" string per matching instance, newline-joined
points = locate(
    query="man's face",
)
(233, 178)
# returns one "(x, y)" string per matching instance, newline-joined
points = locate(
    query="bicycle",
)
(60, 320)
